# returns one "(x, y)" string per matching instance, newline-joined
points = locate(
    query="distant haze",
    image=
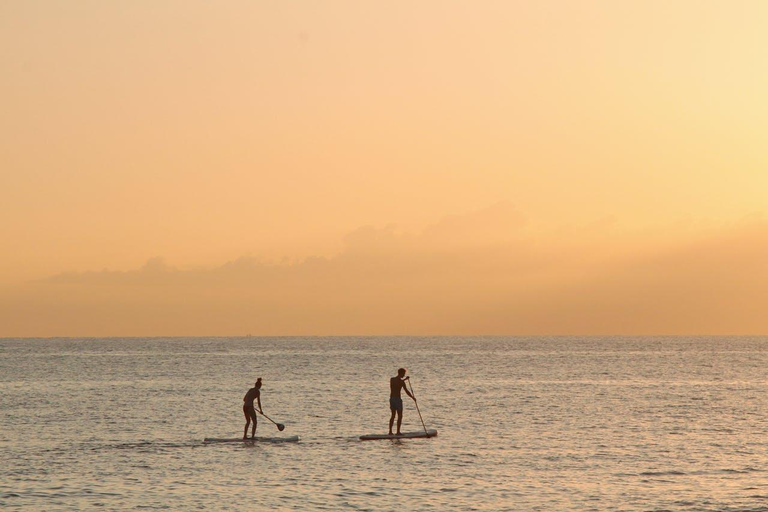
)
(197, 168)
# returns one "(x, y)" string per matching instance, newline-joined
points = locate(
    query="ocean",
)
(525, 423)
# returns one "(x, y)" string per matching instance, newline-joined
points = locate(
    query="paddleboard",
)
(292, 439)
(407, 435)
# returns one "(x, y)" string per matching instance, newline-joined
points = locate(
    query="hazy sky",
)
(346, 167)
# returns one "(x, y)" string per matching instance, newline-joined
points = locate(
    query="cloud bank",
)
(487, 272)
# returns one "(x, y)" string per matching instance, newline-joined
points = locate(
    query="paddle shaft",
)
(417, 407)
(270, 419)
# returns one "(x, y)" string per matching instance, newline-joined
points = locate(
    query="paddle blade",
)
(280, 427)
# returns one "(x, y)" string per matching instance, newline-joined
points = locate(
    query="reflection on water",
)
(525, 424)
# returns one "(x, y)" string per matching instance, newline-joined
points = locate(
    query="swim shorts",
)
(395, 403)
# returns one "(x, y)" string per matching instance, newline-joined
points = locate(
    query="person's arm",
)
(258, 398)
(405, 388)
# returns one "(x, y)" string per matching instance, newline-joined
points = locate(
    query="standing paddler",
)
(396, 384)
(248, 409)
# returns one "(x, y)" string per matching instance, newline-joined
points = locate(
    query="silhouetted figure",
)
(250, 413)
(395, 402)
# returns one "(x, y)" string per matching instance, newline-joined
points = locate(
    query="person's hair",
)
(258, 382)
(401, 372)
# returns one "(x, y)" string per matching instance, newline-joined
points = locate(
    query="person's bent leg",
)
(247, 423)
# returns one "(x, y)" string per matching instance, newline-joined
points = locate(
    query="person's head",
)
(401, 372)
(258, 383)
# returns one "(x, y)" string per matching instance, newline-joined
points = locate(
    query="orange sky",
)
(447, 167)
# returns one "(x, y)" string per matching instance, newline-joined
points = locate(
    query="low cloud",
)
(487, 272)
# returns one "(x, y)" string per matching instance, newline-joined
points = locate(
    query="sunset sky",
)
(305, 167)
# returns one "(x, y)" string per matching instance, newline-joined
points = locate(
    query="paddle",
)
(417, 406)
(280, 426)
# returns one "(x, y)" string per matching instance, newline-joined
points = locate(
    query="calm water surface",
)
(579, 424)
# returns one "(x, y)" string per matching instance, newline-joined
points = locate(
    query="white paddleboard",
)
(292, 439)
(407, 435)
